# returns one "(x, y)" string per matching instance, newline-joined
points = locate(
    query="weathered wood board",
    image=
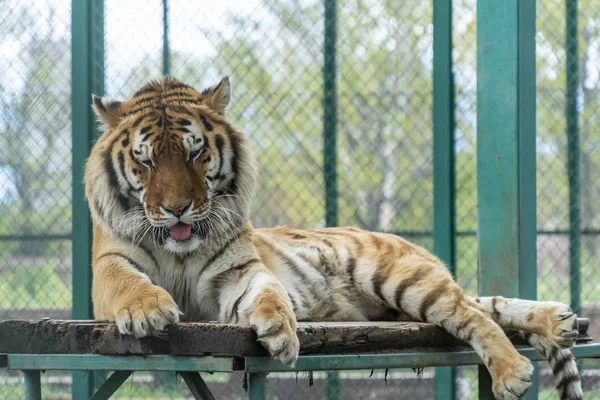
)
(193, 339)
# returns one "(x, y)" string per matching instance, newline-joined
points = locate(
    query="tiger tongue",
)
(181, 231)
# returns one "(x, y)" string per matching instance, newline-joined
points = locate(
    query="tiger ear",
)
(217, 96)
(108, 111)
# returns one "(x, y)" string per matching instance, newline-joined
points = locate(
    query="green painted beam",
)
(400, 360)
(111, 385)
(87, 77)
(197, 386)
(573, 154)
(91, 362)
(444, 242)
(166, 54)
(506, 153)
(330, 113)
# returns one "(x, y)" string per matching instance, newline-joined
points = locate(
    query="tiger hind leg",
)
(551, 328)
(424, 290)
(552, 320)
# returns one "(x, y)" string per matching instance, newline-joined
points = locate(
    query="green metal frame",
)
(166, 54)
(330, 114)
(506, 184)
(330, 136)
(87, 28)
(256, 367)
(444, 243)
(573, 154)
(506, 153)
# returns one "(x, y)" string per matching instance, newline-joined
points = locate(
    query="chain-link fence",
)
(273, 52)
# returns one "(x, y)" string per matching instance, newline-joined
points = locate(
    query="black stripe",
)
(121, 158)
(495, 313)
(297, 271)
(430, 299)
(310, 263)
(565, 382)
(350, 270)
(182, 97)
(463, 325)
(220, 279)
(207, 125)
(113, 180)
(220, 252)
(99, 208)
(98, 103)
(219, 143)
(236, 144)
(237, 302)
(149, 254)
(148, 88)
(560, 364)
(112, 105)
(184, 122)
(138, 120)
(175, 84)
(416, 276)
(145, 129)
(377, 281)
(133, 263)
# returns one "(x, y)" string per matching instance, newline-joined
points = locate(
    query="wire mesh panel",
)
(273, 51)
(35, 167)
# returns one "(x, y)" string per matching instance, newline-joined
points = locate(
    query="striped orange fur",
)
(169, 184)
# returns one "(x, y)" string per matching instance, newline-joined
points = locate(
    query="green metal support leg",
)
(334, 387)
(197, 386)
(33, 386)
(257, 386)
(111, 385)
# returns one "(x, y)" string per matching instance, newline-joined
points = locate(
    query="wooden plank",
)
(196, 339)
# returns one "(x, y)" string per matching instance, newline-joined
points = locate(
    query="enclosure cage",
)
(355, 109)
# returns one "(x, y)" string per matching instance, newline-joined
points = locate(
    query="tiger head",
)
(169, 166)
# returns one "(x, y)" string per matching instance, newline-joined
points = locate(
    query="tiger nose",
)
(177, 210)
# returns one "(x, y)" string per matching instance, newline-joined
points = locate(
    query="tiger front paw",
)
(513, 379)
(275, 327)
(147, 311)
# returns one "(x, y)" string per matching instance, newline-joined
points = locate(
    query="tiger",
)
(169, 183)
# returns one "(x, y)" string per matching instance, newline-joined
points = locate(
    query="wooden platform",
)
(199, 339)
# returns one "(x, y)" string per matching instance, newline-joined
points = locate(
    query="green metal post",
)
(330, 133)
(257, 383)
(330, 114)
(506, 153)
(166, 56)
(443, 163)
(33, 385)
(87, 49)
(573, 156)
